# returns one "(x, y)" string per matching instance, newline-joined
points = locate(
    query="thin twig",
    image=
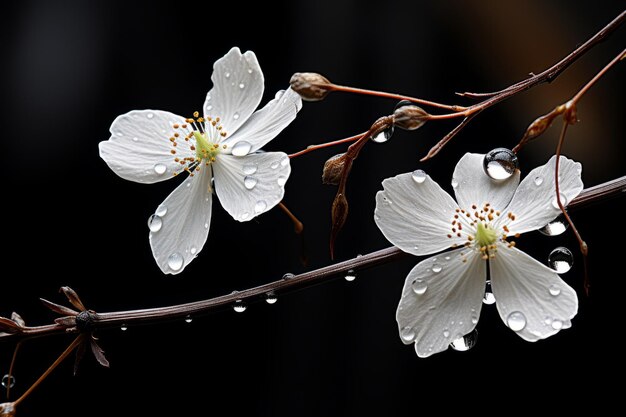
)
(326, 145)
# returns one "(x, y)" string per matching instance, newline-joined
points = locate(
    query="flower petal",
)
(416, 215)
(531, 298)
(265, 124)
(534, 203)
(237, 89)
(475, 187)
(251, 185)
(184, 218)
(139, 148)
(439, 307)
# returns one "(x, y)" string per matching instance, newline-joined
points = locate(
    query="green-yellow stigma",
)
(205, 150)
(485, 235)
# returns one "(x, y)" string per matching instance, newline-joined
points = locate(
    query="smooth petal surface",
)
(185, 217)
(139, 147)
(475, 187)
(415, 216)
(439, 307)
(265, 124)
(237, 89)
(531, 298)
(251, 185)
(534, 203)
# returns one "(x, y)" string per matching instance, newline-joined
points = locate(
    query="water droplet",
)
(407, 334)
(193, 250)
(135, 139)
(516, 321)
(282, 180)
(209, 107)
(488, 298)
(227, 74)
(466, 342)
(419, 176)
(160, 169)
(284, 161)
(274, 164)
(350, 275)
(249, 169)
(555, 227)
(8, 381)
(206, 225)
(288, 275)
(557, 324)
(384, 136)
(123, 327)
(249, 182)
(454, 183)
(260, 206)
(188, 319)
(236, 116)
(155, 223)
(150, 115)
(242, 86)
(175, 261)
(240, 306)
(241, 148)
(270, 298)
(554, 290)
(475, 318)
(555, 203)
(538, 180)
(249, 70)
(500, 164)
(436, 268)
(161, 210)
(446, 333)
(245, 215)
(419, 287)
(561, 259)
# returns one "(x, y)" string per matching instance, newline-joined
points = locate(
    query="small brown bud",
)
(333, 168)
(311, 86)
(409, 116)
(339, 214)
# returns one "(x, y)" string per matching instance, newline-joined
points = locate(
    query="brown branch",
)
(598, 193)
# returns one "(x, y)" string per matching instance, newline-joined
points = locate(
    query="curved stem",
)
(598, 193)
(326, 145)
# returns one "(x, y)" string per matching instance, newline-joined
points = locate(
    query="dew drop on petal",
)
(236, 116)
(270, 298)
(516, 321)
(242, 86)
(150, 115)
(193, 250)
(383, 136)
(350, 275)
(161, 210)
(209, 107)
(500, 164)
(249, 70)
(135, 139)
(474, 318)
(260, 206)
(155, 223)
(241, 148)
(557, 324)
(561, 260)
(249, 169)
(446, 333)
(454, 183)
(8, 381)
(554, 290)
(274, 164)
(239, 306)
(206, 225)
(282, 180)
(555, 227)
(555, 203)
(419, 286)
(245, 215)
(436, 268)
(160, 169)
(227, 74)
(175, 261)
(249, 182)
(419, 176)
(284, 161)
(538, 180)
(465, 343)
(407, 334)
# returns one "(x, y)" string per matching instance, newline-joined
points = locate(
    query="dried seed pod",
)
(311, 86)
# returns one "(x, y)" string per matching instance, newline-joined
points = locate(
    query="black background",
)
(69, 68)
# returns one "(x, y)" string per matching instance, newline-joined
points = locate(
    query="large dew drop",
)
(175, 261)
(419, 286)
(160, 169)
(561, 260)
(500, 164)
(464, 343)
(419, 176)
(241, 148)
(516, 321)
(383, 136)
(407, 334)
(155, 223)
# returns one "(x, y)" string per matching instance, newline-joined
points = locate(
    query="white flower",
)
(149, 146)
(442, 295)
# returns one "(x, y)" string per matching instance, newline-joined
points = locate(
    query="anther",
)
(196, 114)
(175, 126)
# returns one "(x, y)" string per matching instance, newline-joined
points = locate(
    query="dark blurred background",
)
(70, 67)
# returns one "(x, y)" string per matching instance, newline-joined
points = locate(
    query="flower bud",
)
(333, 168)
(409, 116)
(310, 86)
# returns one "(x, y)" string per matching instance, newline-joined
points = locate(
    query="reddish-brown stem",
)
(326, 145)
(598, 193)
(439, 146)
(17, 347)
(345, 89)
(297, 224)
(599, 75)
(56, 363)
